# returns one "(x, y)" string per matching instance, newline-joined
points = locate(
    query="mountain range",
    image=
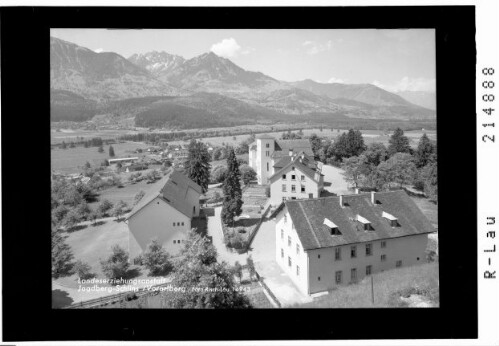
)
(208, 88)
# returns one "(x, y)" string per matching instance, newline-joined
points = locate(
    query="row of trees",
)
(377, 167)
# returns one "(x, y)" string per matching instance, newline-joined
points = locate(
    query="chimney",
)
(372, 197)
(341, 201)
(290, 152)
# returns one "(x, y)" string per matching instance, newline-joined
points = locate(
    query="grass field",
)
(389, 286)
(71, 135)
(69, 160)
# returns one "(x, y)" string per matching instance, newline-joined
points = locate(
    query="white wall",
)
(263, 160)
(276, 193)
(297, 258)
(408, 249)
(155, 220)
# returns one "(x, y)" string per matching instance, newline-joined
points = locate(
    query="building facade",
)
(165, 214)
(326, 242)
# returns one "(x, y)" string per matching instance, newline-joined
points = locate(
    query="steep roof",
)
(297, 145)
(308, 217)
(172, 189)
(299, 166)
(284, 160)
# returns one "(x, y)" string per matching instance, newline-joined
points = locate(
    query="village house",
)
(325, 242)
(296, 177)
(266, 151)
(164, 213)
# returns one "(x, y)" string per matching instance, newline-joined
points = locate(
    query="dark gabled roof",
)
(284, 160)
(299, 166)
(308, 218)
(283, 146)
(172, 189)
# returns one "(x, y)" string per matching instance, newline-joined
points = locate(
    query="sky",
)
(396, 60)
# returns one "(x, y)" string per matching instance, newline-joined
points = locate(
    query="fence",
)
(267, 289)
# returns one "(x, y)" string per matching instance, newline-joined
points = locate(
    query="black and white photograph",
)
(243, 168)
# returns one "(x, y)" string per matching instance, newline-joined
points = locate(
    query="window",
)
(174, 224)
(368, 270)
(289, 261)
(178, 223)
(267, 166)
(398, 264)
(318, 278)
(283, 199)
(182, 223)
(267, 145)
(285, 218)
(293, 177)
(289, 240)
(302, 178)
(353, 274)
(282, 253)
(284, 177)
(383, 244)
(267, 153)
(337, 254)
(369, 249)
(302, 188)
(297, 249)
(283, 187)
(293, 168)
(174, 242)
(293, 188)
(353, 251)
(194, 209)
(297, 271)
(337, 276)
(383, 258)
(318, 256)
(282, 234)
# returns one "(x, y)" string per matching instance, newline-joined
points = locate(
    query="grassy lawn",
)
(391, 289)
(69, 160)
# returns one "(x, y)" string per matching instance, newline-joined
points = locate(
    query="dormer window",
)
(293, 168)
(392, 220)
(333, 229)
(364, 223)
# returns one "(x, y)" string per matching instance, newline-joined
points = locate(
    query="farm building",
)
(266, 151)
(295, 177)
(325, 242)
(164, 214)
(123, 160)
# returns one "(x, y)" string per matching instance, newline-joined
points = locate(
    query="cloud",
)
(99, 50)
(336, 80)
(313, 47)
(409, 84)
(227, 48)
(247, 50)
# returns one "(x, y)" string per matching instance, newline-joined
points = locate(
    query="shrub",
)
(116, 266)
(104, 207)
(156, 259)
(82, 269)
(139, 260)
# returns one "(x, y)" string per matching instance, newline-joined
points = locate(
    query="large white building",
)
(295, 177)
(325, 242)
(266, 151)
(164, 213)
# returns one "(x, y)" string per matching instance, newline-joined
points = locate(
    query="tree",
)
(424, 151)
(104, 207)
(138, 197)
(355, 143)
(58, 213)
(218, 174)
(83, 270)
(116, 265)
(119, 209)
(352, 167)
(197, 166)
(430, 177)
(156, 259)
(398, 143)
(111, 151)
(347, 145)
(316, 144)
(208, 283)
(62, 256)
(71, 219)
(232, 204)
(248, 174)
(94, 215)
(100, 149)
(399, 168)
(238, 271)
